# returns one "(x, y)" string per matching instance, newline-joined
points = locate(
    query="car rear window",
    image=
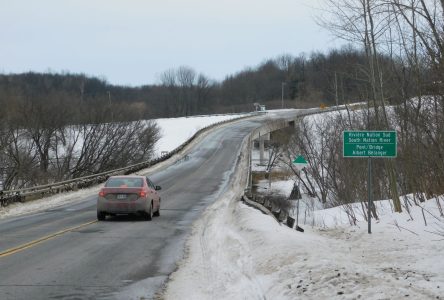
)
(124, 182)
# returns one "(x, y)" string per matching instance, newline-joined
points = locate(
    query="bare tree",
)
(183, 89)
(113, 145)
(365, 22)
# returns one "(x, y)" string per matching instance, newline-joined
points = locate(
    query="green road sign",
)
(370, 144)
(300, 163)
(300, 160)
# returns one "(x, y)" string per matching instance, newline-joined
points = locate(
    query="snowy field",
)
(175, 131)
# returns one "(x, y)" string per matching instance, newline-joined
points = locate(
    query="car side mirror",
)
(158, 187)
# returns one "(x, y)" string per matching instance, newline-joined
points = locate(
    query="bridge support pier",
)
(262, 140)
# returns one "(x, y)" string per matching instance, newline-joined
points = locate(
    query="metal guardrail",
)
(37, 192)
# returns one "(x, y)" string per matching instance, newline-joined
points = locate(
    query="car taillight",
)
(142, 194)
(102, 193)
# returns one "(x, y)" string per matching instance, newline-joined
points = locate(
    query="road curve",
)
(63, 253)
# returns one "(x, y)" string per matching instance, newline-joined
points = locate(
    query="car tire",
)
(101, 216)
(157, 212)
(149, 214)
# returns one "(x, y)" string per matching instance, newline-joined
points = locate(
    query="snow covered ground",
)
(175, 131)
(17, 209)
(236, 252)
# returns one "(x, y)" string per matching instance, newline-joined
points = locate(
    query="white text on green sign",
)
(369, 144)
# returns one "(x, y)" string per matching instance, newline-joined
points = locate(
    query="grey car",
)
(128, 194)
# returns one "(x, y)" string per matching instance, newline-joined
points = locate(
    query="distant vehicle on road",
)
(128, 195)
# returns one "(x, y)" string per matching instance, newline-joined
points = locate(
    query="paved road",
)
(123, 257)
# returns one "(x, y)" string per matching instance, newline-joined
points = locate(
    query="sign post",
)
(370, 195)
(300, 163)
(370, 144)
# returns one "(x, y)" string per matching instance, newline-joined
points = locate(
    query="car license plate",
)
(121, 196)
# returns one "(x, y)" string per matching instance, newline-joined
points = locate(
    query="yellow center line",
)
(41, 240)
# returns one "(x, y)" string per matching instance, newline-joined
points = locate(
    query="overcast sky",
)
(131, 42)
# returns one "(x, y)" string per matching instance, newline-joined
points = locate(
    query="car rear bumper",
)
(122, 207)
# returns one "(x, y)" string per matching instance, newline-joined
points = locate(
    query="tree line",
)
(303, 81)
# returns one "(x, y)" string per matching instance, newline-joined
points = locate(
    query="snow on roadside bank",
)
(17, 209)
(236, 252)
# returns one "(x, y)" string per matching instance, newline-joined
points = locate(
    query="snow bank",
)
(237, 252)
(17, 209)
